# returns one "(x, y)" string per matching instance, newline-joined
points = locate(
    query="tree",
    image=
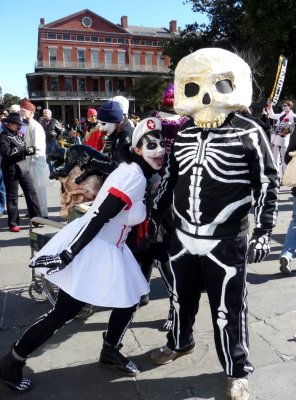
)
(10, 99)
(148, 92)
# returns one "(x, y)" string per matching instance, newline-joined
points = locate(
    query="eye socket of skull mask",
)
(191, 89)
(224, 86)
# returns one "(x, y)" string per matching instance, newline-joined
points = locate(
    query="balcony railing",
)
(66, 95)
(68, 65)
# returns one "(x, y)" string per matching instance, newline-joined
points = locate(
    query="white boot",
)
(237, 389)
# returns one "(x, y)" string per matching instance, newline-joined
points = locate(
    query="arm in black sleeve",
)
(103, 166)
(109, 208)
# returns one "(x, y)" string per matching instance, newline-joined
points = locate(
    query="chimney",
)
(124, 22)
(173, 26)
(42, 21)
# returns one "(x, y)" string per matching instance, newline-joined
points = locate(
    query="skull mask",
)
(209, 84)
(72, 193)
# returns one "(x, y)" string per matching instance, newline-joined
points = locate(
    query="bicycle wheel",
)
(36, 289)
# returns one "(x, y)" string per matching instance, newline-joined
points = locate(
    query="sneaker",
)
(285, 265)
(111, 358)
(14, 229)
(165, 355)
(237, 389)
(37, 225)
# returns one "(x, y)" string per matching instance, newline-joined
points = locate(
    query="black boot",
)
(112, 358)
(11, 373)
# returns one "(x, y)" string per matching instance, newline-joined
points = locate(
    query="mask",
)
(153, 151)
(286, 108)
(107, 127)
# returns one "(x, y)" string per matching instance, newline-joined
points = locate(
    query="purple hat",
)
(168, 96)
(14, 118)
(110, 111)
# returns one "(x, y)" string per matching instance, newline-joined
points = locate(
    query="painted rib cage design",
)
(220, 155)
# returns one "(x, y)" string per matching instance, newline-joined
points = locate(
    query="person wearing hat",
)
(16, 171)
(93, 135)
(39, 169)
(91, 263)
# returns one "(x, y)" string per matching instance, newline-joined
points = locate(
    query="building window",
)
(120, 85)
(52, 56)
(80, 38)
(68, 84)
(148, 61)
(108, 40)
(81, 84)
(108, 58)
(148, 42)
(160, 62)
(66, 37)
(81, 57)
(108, 85)
(54, 84)
(67, 57)
(95, 85)
(94, 58)
(136, 59)
(122, 41)
(51, 36)
(121, 58)
(94, 39)
(136, 41)
(86, 22)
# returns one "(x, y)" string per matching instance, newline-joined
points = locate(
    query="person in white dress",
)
(90, 262)
(280, 136)
(39, 170)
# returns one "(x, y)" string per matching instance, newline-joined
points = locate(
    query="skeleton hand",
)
(55, 263)
(259, 247)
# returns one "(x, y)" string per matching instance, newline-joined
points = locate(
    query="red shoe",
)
(14, 229)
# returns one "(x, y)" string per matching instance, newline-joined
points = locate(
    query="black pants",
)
(66, 308)
(223, 273)
(12, 179)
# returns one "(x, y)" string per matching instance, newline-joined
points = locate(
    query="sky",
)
(20, 20)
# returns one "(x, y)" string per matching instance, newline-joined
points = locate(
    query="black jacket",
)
(13, 151)
(212, 175)
(53, 129)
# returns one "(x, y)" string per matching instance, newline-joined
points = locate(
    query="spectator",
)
(35, 136)
(15, 171)
(53, 129)
(93, 135)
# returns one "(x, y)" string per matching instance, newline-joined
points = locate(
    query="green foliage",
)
(148, 92)
(258, 31)
(10, 99)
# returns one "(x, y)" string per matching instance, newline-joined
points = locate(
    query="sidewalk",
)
(66, 367)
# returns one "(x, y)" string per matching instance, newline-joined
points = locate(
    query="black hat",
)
(14, 118)
(110, 111)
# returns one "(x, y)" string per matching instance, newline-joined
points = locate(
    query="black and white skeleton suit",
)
(210, 179)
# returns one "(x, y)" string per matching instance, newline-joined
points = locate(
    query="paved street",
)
(66, 367)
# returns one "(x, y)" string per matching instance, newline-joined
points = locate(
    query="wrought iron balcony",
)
(70, 65)
(75, 95)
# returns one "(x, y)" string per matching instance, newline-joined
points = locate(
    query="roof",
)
(143, 30)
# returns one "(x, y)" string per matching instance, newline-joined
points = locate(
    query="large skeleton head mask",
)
(209, 84)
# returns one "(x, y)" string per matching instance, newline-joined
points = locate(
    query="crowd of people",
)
(158, 202)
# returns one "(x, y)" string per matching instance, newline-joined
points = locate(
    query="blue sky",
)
(20, 20)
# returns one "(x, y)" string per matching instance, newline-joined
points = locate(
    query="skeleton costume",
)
(219, 159)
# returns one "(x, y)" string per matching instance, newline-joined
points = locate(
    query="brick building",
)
(84, 59)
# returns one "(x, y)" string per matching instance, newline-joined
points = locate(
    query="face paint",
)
(107, 127)
(153, 151)
(286, 108)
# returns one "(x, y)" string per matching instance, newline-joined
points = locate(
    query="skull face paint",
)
(211, 83)
(107, 127)
(153, 151)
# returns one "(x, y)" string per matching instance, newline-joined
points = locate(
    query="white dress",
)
(105, 272)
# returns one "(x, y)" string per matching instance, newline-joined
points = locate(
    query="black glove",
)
(55, 263)
(84, 162)
(30, 151)
(259, 247)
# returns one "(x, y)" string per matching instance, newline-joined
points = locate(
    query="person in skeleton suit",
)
(219, 160)
(90, 262)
